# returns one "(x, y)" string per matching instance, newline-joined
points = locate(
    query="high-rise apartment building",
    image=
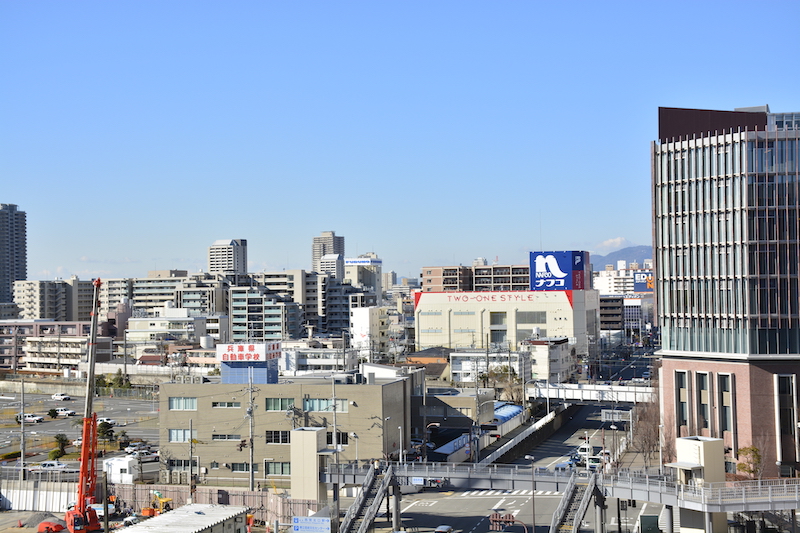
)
(60, 299)
(726, 221)
(327, 243)
(13, 250)
(228, 256)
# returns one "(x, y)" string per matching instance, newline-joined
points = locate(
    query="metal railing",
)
(358, 504)
(519, 438)
(372, 512)
(561, 510)
(584, 505)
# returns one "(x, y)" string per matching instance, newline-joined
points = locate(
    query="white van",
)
(585, 449)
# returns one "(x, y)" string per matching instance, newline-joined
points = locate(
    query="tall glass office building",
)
(726, 206)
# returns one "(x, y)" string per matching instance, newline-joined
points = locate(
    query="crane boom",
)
(82, 517)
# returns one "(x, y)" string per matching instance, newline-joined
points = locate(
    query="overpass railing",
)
(502, 450)
(563, 505)
(358, 503)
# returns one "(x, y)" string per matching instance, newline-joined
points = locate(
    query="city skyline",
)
(428, 134)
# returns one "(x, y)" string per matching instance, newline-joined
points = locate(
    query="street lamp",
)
(616, 451)
(354, 435)
(661, 449)
(400, 452)
(533, 494)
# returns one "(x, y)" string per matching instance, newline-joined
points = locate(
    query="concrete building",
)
(551, 359)
(15, 333)
(327, 243)
(368, 415)
(506, 319)
(13, 250)
(369, 331)
(332, 265)
(258, 315)
(169, 324)
(467, 366)
(60, 299)
(365, 273)
(228, 256)
(58, 352)
(725, 212)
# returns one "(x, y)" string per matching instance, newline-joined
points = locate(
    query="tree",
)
(62, 441)
(52, 413)
(105, 431)
(750, 462)
(646, 436)
(120, 381)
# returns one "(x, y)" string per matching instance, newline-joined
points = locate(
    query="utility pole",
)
(250, 412)
(22, 433)
(191, 470)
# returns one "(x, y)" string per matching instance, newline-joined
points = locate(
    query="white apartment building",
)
(369, 331)
(228, 256)
(365, 272)
(466, 366)
(333, 265)
(552, 359)
(625, 279)
(59, 299)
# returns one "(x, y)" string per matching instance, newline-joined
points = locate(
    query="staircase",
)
(571, 517)
(370, 494)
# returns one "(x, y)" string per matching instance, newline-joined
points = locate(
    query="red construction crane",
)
(82, 517)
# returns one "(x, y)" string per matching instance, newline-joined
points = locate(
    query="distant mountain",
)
(632, 254)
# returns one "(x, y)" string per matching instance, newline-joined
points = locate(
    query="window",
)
(279, 404)
(181, 435)
(531, 317)
(342, 436)
(180, 464)
(226, 405)
(277, 468)
(214, 465)
(277, 437)
(182, 404)
(243, 467)
(226, 437)
(324, 404)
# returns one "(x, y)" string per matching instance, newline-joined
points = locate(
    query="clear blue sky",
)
(136, 133)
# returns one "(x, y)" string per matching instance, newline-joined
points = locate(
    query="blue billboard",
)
(643, 281)
(558, 271)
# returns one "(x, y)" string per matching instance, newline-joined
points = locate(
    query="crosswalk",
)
(479, 493)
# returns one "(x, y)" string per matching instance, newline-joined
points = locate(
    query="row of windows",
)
(177, 403)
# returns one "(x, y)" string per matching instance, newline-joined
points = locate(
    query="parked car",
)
(60, 397)
(109, 421)
(35, 419)
(50, 466)
(137, 446)
(77, 442)
(144, 455)
(63, 411)
(444, 529)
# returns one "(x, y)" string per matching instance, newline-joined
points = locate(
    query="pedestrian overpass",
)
(591, 392)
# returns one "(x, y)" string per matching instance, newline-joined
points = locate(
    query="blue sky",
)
(135, 134)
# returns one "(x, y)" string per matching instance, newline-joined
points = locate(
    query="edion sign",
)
(248, 352)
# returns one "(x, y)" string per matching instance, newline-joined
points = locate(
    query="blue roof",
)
(506, 412)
